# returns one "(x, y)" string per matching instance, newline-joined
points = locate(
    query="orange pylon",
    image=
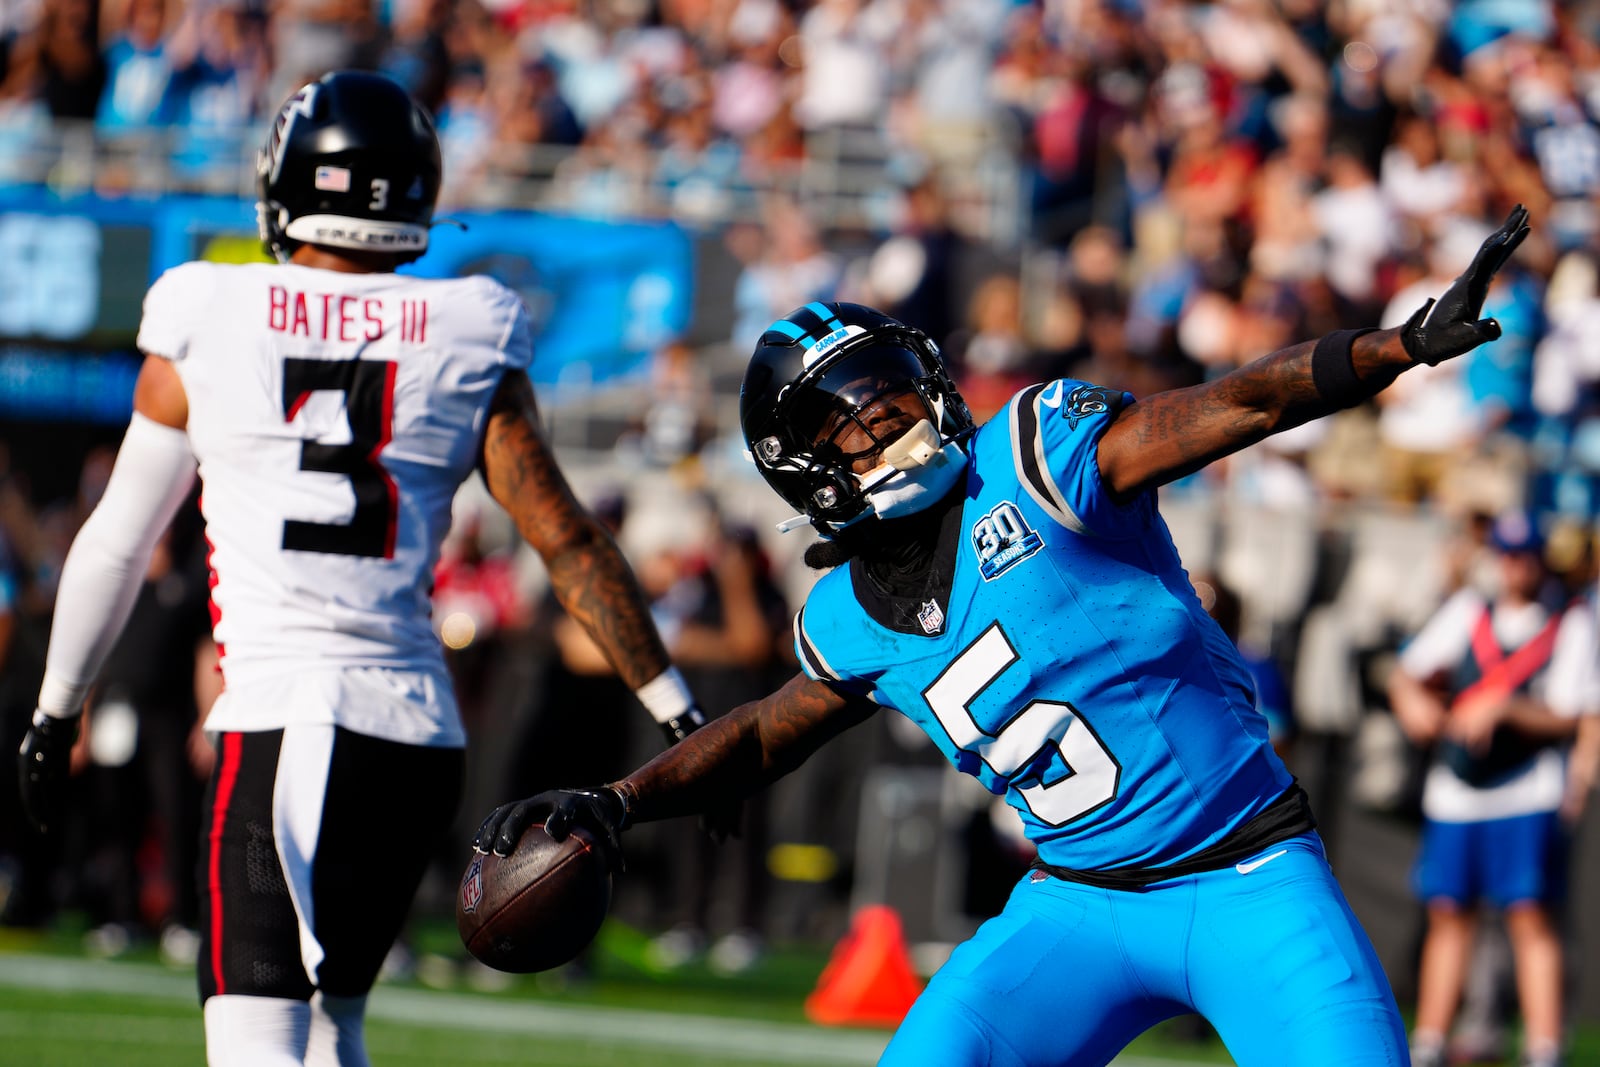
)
(869, 980)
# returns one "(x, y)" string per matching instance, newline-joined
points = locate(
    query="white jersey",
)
(1569, 685)
(333, 417)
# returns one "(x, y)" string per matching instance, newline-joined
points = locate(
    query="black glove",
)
(1453, 327)
(684, 725)
(43, 764)
(600, 811)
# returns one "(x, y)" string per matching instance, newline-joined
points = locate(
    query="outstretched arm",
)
(1172, 434)
(587, 571)
(749, 747)
(1166, 436)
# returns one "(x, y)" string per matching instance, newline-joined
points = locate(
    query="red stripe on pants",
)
(227, 774)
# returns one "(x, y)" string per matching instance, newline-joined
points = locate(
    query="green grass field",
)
(59, 1008)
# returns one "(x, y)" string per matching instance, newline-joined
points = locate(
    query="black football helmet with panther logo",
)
(815, 370)
(351, 161)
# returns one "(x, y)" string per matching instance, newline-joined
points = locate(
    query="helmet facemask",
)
(838, 398)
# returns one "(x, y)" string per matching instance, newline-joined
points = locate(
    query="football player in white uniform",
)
(331, 409)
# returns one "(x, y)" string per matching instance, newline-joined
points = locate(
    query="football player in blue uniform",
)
(1013, 589)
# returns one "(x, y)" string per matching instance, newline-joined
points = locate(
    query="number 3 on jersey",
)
(1023, 745)
(368, 388)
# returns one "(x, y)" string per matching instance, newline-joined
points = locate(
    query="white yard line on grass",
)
(90, 1028)
(706, 1036)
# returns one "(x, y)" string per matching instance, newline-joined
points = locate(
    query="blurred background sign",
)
(73, 275)
(603, 295)
(72, 282)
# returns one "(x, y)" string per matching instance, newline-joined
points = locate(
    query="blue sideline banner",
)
(73, 272)
(603, 295)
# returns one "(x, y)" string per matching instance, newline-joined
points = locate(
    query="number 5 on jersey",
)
(368, 388)
(1024, 744)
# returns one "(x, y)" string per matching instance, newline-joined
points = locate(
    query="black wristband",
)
(1333, 370)
(683, 725)
(625, 819)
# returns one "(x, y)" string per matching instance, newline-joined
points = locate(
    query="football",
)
(538, 907)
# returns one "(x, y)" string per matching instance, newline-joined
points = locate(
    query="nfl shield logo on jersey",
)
(472, 886)
(931, 617)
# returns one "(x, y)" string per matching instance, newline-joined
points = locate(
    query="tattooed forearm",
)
(588, 573)
(1279, 391)
(749, 747)
(1169, 435)
(598, 589)
(720, 760)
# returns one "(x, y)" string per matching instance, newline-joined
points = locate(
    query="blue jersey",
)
(1073, 668)
(136, 85)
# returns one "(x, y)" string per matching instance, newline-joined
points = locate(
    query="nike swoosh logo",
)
(1053, 400)
(1246, 868)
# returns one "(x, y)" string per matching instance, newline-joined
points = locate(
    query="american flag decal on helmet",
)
(332, 179)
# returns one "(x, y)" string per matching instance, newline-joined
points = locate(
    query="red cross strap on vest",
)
(1500, 674)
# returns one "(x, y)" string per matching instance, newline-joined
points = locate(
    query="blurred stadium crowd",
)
(1135, 194)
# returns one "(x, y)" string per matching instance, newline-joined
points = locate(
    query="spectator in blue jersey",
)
(418, 55)
(137, 71)
(1566, 390)
(1560, 124)
(1496, 686)
(218, 70)
(1013, 589)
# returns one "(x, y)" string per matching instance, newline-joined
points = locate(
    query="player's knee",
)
(337, 1032)
(938, 1030)
(1361, 1032)
(256, 1031)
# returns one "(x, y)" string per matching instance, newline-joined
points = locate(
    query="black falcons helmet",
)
(351, 162)
(816, 368)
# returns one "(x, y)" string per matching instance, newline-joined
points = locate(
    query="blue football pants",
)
(1067, 974)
